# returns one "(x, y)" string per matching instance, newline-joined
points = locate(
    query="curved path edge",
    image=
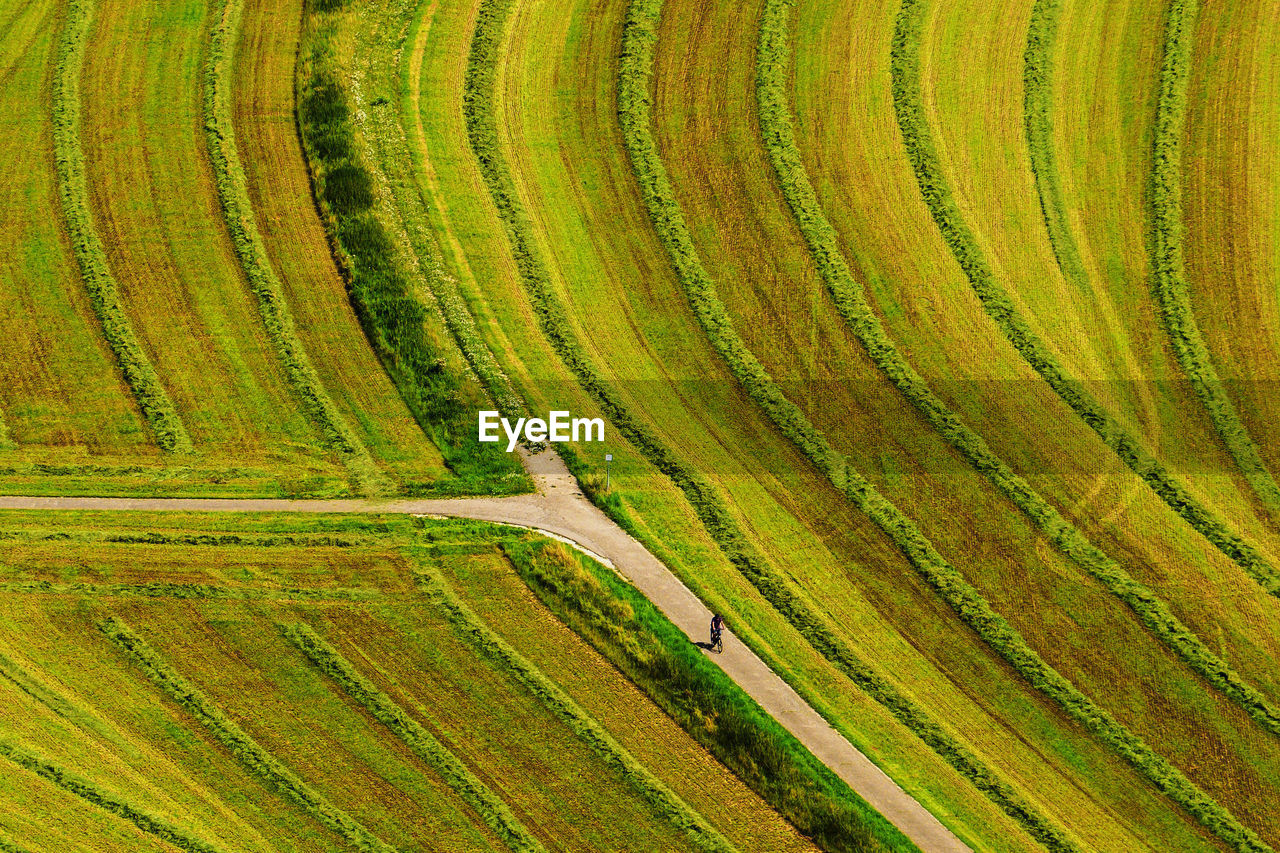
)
(559, 509)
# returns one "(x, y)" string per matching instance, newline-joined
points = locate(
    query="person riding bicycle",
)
(717, 628)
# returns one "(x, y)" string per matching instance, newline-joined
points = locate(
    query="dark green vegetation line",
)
(244, 748)
(476, 634)
(382, 292)
(706, 503)
(773, 62)
(1171, 285)
(491, 809)
(91, 255)
(627, 629)
(909, 106)
(238, 214)
(159, 589)
(108, 802)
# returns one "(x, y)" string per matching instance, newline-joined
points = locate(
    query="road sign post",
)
(608, 457)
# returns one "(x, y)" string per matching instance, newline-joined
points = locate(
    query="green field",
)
(936, 345)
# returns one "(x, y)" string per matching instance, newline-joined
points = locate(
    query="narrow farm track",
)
(559, 509)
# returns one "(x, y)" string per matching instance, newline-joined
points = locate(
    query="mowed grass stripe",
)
(909, 110)
(492, 810)
(244, 748)
(706, 503)
(773, 63)
(160, 589)
(1172, 288)
(480, 637)
(104, 292)
(634, 105)
(908, 104)
(105, 800)
(233, 192)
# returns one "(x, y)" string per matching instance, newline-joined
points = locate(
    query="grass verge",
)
(1173, 291)
(702, 497)
(91, 793)
(492, 810)
(244, 748)
(382, 292)
(631, 633)
(773, 61)
(237, 210)
(104, 293)
(478, 635)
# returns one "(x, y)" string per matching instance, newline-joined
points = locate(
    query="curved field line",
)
(237, 211)
(492, 810)
(908, 105)
(479, 636)
(91, 255)
(773, 60)
(703, 499)
(104, 800)
(244, 748)
(1172, 288)
(634, 100)
(937, 196)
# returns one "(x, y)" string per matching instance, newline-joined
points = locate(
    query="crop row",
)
(237, 210)
(381, 291)
(473, 630)
(159, 589)
(772, 62)
(1171, 286)
(91, 255)
(706, 503)
(244, 748)
(909, 109)
(107, 802)
(492, 810)
(908, 104)
(625, 627)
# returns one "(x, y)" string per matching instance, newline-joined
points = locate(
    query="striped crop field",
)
(935, 345)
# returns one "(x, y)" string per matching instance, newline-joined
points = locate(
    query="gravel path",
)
(561, 510)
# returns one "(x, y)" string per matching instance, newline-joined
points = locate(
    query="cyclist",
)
(717, 628)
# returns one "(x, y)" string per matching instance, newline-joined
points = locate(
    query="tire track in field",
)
(560, 510)
(233, 192)
(104, 292)
(1172, 288)
(773, 63)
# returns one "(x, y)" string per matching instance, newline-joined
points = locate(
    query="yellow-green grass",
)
(1231, 236)
(157, 211)
(59, 384)
(886, 235)
(94, 712)
(280, 190)
(530, 95)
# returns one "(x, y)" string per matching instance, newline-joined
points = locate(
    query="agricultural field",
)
(936, 347)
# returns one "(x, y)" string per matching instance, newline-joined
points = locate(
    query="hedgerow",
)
(472, 629)
(627, 629)
(1173, 291)
(492, 810)
(238, 213)
(91, 255)
(702, 497)
(381, 292)
(108, 802)
(909, 108)
(244, 748)
(773, 60)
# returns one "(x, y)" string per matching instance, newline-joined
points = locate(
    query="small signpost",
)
(608, 457)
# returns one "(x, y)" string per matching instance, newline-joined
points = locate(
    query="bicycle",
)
(717, 642)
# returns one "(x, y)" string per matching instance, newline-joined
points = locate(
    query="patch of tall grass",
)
(91, 255)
